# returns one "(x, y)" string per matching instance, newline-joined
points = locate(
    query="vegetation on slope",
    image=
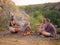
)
(40, 11)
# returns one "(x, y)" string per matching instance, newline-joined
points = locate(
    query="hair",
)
(27, 23)
(48, 20)
(21, 18)
(44, 20)
(12, 19)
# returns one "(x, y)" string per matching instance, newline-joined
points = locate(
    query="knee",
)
(12, 31)
(17, 29)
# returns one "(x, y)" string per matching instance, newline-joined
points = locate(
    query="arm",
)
(27, 26)
(11, 23)
(54, 29)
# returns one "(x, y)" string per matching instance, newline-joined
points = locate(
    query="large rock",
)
(6, 7)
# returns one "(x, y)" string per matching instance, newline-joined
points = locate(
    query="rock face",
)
(6, 7)
(6, 2)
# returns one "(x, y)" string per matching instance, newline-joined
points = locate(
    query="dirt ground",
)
(19, 39)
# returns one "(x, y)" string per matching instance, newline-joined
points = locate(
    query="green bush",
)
(58, 30)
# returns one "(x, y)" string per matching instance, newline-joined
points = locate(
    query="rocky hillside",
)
(6, 8)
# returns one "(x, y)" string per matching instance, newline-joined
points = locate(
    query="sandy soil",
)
(19, 39)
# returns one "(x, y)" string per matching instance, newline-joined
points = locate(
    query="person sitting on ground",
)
(42, 26)
(50, 29)
(24, 25)
(27, 28)
(13, 28)
(21, 23)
